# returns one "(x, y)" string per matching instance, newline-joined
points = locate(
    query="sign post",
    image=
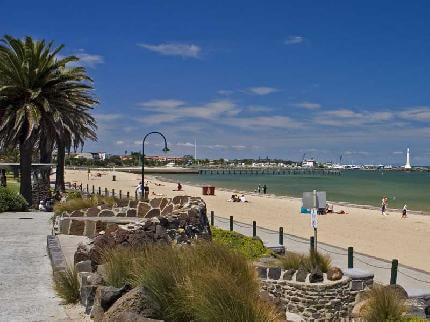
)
(314, 200)
(314, 217)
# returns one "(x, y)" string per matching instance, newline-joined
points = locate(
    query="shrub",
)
(383, 304)
(73, 195)
(247, 246)
(183, 280)
(66, 285)
(314, 259)
(118, 265)
(82, 203)
(11, 201)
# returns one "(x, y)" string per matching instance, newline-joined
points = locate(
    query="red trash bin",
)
(211, 191)
(205, 190)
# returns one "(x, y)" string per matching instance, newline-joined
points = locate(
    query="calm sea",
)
(358, 187)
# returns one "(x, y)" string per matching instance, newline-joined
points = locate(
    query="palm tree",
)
(39, 99)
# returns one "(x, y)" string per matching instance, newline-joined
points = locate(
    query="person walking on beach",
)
(139, 190)
(404, 211)
(384, 206)
(259, 189)
(264, 189)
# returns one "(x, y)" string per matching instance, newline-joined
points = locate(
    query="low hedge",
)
(11, 201)
(251, 248)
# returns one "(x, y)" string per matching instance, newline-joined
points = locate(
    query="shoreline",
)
(365, 229)
(253, 193)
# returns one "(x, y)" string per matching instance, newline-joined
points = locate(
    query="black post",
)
(212, 217)
(106, 192)
(88, 188)
(281, 235)
(100, 191)
(312, 243)
(93, 189)
(350, 257)
(80, 187)
(135, 195)
(74, 186)
(113, 192)
(394, 266)
(120, 194)
(254, 229)
(128, 194)
(231, 223)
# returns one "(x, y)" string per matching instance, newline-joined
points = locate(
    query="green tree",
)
(42, 102)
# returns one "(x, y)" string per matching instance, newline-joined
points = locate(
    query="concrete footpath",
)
(26, 292)
(416, 282)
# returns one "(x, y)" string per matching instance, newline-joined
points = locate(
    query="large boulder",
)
(301, 275)
(334, 274)
(135, 305)
(316, 276)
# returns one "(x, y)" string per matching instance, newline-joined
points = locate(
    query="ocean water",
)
(358, 187)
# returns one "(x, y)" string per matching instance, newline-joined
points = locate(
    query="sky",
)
(249, 79)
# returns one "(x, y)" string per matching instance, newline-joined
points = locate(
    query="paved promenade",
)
(416, 282)
(26, 292)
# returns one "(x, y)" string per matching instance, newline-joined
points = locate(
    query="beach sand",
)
(389, 237)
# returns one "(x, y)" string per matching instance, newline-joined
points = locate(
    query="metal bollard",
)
(281, 235)
(231, 223)
(254, 229)
(106, 192)
(120, 194)
(93, 189)
(100, 191)
(88, 188)
(350, 257)
(394, 266)
(128, 194)
(312, 243)
(212, 217)
(113, 192)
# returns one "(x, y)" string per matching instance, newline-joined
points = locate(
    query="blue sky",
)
(250, 78)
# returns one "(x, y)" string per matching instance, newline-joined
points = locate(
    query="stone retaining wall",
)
(329, 300)
(84, 222)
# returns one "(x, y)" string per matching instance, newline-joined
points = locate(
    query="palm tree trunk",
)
(25, 154)
(45, 157)
(59, 177)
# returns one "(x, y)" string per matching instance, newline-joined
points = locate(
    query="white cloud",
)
(162, 104)
(174, 49)
(119, 142)
(225, 92)
(107, 117)
(262, 90)
(398, 152)
(90, 60)
(239, 147)
(158, 119)
(356, 153)
(186, 144)
(308, 105)
(346, 117)
(416, 114)
(294, 40)
(264, 122)
(258, 108)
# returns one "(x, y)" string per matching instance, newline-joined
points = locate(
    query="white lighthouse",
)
(408, 163)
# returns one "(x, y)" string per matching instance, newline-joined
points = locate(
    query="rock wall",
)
(90, 222)
(328, 300)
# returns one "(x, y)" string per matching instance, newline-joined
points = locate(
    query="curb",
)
(58, 261)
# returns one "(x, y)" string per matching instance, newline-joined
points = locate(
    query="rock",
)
(95, 279)
(301, 275)
(82, 253)
(261, 272)
(401, 292)
(83, 266)
(97, 312)
(334, 274)
(107, 295)
(101, 270)
(137, 303)
(288, 275)
(316, 276)
(274, 273)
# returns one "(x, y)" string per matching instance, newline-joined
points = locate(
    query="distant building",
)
(164, 158)
(408, 163)
(89, 155)
(309, 163)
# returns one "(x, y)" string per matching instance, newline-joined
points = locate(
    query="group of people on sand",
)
(384, 205)
(237, 198)
(261, 189)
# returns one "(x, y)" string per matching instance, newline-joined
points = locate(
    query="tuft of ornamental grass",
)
(383, 304)
(83, 203)
(66, 285)
(118, 263)
(249, 247)
(313, 260)
(183, 280)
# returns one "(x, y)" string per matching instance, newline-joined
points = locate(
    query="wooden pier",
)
(267, 171)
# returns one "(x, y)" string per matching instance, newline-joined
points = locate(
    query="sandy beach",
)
(407, 240)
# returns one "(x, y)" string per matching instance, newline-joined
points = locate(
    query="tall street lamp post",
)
(166, 149)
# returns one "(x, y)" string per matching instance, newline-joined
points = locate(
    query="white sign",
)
(308, 200)
(314, 218)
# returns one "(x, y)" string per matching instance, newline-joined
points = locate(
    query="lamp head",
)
(166, 149)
